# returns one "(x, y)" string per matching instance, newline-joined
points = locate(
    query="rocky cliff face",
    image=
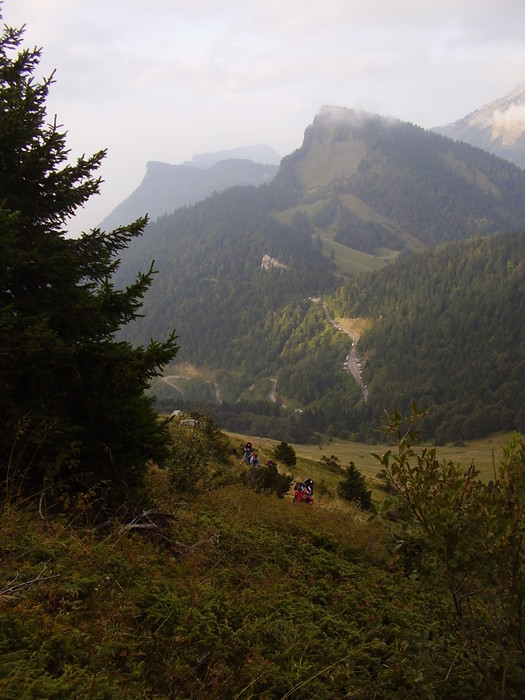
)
(498, 127)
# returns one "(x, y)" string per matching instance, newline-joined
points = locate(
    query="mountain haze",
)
(360, 193)
(168, 187)
(497, 127)
(262, 153)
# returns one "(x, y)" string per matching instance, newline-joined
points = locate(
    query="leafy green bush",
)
(332, 464)
(198, 457)
(465, 539)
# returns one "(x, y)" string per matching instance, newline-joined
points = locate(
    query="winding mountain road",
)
(352, 363)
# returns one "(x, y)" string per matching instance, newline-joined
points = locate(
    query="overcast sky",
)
(168, 79)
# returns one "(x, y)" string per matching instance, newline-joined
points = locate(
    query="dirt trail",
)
(169, 381)
(188, 373)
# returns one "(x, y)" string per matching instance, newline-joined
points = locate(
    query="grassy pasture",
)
(351, 261)
(347, 260)
(486, 455)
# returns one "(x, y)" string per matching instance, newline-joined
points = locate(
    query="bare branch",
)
(12, 586)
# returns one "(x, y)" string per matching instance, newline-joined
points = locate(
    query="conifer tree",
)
(72, 398)
(285, 453)
(353, 488)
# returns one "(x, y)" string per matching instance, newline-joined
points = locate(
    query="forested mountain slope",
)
(236, 272)
(448, 331)
(210, 282)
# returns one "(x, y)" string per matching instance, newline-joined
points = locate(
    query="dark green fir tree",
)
(285, 453)
(73, 409)
(353, 488)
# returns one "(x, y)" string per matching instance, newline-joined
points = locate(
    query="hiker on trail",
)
(247, 452)
(255, 460)
(309, 486)
(302, 493)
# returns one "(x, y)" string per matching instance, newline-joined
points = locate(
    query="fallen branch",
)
(144, 521)
(13, 587)
(187, 549)
(147, 515)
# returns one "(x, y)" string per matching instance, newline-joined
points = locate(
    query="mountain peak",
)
(167, 187)
(497, 127)
(504, 116)
(340, 114)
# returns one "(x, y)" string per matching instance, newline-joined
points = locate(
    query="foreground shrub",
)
(465, 539)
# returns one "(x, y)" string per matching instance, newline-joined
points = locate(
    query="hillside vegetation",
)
(444, 328)
(218, 589)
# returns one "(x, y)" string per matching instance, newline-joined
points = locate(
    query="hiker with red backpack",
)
(303, 492)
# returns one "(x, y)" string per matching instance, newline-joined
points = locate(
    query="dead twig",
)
(144, 521)
(12, 586)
